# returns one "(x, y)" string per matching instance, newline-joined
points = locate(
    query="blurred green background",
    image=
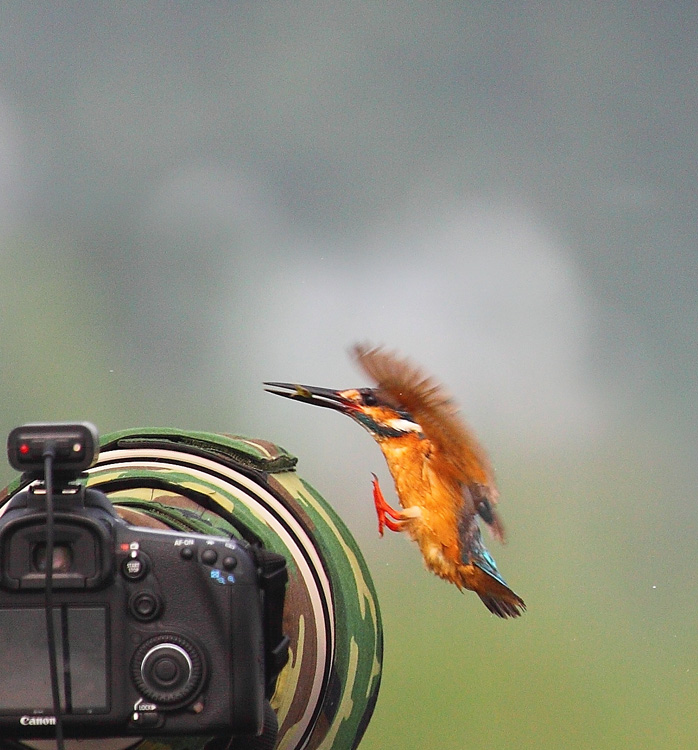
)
(198, 197)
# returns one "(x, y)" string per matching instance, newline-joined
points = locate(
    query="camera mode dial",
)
(168, 669)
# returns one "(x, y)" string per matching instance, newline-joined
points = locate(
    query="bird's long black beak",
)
(310, 394)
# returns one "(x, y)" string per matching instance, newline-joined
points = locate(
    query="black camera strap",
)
(273, 579)
(49, 455)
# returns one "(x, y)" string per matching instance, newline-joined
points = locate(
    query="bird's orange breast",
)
(420, 484)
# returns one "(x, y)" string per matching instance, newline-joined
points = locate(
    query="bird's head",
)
(367, 406)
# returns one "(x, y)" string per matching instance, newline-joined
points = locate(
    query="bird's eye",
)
(369, 399)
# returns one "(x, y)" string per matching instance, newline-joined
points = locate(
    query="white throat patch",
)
(403, 425)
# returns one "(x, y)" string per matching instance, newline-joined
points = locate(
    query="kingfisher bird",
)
(443, 477)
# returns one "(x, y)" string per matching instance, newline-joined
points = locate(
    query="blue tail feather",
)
(491, 588)
(480, 556)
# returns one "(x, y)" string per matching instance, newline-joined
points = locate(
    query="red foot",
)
(385, 512)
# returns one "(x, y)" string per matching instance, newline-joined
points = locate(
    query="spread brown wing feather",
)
(432, 408)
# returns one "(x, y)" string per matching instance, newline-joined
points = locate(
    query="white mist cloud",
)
(484, 298)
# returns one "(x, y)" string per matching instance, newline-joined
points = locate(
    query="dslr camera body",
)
(156, 632)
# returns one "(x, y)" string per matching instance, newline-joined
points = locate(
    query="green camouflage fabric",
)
(223, 485)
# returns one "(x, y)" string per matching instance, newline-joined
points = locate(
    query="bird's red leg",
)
(385, 512)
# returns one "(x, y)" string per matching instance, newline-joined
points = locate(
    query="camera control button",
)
(166, 671)
(144, 605)
(209, 556)
(146, 719)
(186, 553)
(229, 562)
(135, 566)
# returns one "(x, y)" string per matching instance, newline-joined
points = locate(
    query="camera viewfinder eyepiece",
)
(75, 446)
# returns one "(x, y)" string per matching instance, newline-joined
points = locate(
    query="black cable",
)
(49, 455)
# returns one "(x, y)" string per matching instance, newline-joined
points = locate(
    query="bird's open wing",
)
(405, 386)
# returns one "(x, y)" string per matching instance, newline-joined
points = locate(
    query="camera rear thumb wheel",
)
(169, 670)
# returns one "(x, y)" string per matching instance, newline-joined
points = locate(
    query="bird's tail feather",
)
(497, 596)
(488, 583)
